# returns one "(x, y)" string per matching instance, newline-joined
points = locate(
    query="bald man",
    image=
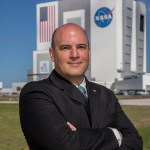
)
(56, 115)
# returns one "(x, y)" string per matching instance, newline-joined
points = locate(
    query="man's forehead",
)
(68, 31)
(72, 29)
(63, 42)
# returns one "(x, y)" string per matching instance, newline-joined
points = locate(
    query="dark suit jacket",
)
(46, 106)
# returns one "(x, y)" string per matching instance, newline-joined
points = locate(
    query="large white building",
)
(119, 48)
(116, 31)
(1, 85)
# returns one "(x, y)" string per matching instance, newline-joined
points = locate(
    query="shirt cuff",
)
(117, 135)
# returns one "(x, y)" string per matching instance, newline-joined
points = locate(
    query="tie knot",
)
(82, 90)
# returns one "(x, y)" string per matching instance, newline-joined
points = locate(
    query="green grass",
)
(140, 117)
(11, 137)
(145, 133)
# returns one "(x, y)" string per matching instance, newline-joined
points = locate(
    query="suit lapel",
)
(67, 87)
(93, 101)
(73, 93)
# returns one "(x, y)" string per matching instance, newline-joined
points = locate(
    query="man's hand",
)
(73, 128)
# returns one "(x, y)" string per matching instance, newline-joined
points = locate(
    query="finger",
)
(73, 128)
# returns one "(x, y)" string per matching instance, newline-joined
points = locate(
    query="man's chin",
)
(76, 74)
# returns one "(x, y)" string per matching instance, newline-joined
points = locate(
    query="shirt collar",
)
(82, 84)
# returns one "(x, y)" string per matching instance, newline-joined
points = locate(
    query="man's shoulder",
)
(40, 85)
(100, 87)
(105, 93)
(96, 85)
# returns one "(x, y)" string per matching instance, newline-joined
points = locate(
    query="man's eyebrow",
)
(64, 45)
(81, 44)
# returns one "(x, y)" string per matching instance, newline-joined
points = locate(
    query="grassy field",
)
(11, 137)
(140, 117)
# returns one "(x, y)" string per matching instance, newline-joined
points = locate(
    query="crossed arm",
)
(117, 133)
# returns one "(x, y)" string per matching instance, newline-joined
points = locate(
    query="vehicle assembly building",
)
(117, 36)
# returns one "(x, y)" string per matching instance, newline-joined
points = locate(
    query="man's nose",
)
(74, 53)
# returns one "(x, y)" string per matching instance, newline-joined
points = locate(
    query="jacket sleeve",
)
(45, 127)
(131, 139)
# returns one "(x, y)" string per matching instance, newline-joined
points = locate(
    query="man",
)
(55, 115)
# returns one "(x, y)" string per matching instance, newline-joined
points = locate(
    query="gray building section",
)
(41, 57)
(140, 40)
(127, 33)
(74, 5)
(46, 58)
(139, 84)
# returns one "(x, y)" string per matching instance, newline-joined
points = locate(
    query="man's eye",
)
(82, 46)
(66, 47)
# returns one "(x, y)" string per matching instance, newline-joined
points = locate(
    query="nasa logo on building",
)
(103, 17)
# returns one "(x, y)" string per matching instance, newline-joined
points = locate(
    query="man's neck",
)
(73, 79)
(83, 83)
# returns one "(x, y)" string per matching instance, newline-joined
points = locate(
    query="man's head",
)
(70, 52)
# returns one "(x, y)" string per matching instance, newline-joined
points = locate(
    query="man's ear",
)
(51, 51)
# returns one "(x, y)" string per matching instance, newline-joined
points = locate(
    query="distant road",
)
(9, 102)
(136, 102)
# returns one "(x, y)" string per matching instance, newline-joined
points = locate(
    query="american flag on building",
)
(47, 22)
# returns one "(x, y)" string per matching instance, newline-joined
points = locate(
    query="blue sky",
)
(18, 38)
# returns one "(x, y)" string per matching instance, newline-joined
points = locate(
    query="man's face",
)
(71, 54)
